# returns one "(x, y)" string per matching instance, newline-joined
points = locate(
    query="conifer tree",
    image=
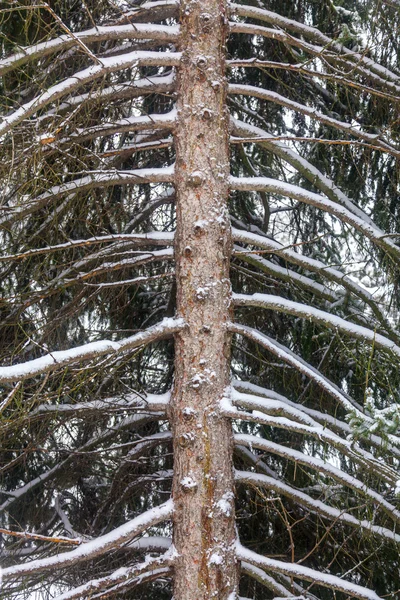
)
(199, 382)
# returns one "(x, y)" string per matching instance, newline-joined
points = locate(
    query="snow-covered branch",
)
(355, 60)
(152, 238)
(313, 505)
(148, 402)
(286, 274)
(121, 535)
(91, 181)
(70, 85)
(63, 358)
(285, 354)
(265, 184)
(160, 84)
(323, 419)
(266, 580)
(151, 122)
(298, 571)
(276, 98)
(301, 164)
(159, 33)
(278, 414)
(311, 264)
(156, 565)
(316, 315)
(316, 464)
(154, 10)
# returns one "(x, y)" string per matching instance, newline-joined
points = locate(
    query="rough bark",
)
(203, 487)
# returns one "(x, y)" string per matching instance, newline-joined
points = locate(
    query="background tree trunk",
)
(203, 487)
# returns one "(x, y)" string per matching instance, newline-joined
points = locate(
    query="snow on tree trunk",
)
(203, 487)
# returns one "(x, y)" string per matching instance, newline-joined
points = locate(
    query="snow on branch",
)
(265, 184)
(63, 358)
(159, 33)
(291, 277)
(152, 238)
(263, 413)
(285, 354)
(109, 65)
(148, 402)
(271, 96)
(316, 315)
(317, 266)
(93, 179)
(331, 582)
(313, 505)
(334, 422)
(121, 535)
(330, 75)
(165, 121)
(157, 10)
(271, 403)
(159, 84)
(155, 565)
(266, 580)
(320, 466)
(301, 164)
(384, 76)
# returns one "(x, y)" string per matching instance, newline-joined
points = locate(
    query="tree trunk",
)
(203, 487)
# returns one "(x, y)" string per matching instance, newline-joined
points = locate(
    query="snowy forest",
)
(199, 299)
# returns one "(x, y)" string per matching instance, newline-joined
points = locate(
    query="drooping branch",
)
(276, 414)
(152, 238)
(154, 10)
(354, 60)
(321, 317)
(285, 274)
(298, 571)
(276, 98)
(93, 180)
(156, 566)
(151, 122)
(324, 419)
(311, 264)
(266, 580)
(313, 505)
(372, 232)
(301, 164)
(300, 365)
(271, 403)
(63, 358)
(70, 85)
(160, 84)
(316, 464)
(300, 68)
(121, 535)
(159, 33)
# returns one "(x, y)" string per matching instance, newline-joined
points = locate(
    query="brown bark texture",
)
(203, 486)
